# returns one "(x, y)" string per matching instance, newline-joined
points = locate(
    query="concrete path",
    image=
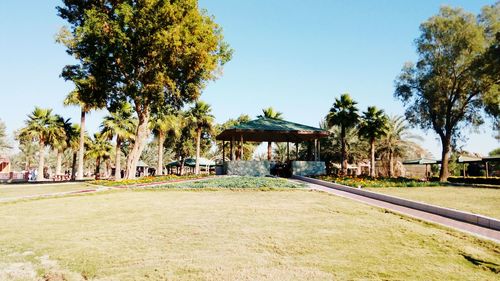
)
(462, 226)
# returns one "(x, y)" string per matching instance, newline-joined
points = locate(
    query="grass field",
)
(483, 201)
(12, 191)
(230, 235)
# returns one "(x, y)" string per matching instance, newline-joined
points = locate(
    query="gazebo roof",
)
(191, 162)
(421, 161)
(274, 130)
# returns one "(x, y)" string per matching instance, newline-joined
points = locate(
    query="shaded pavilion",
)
(478, 160)
(422, 161)
(270, 130)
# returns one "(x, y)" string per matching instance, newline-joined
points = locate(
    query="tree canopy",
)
(455, 77)
(154, 53)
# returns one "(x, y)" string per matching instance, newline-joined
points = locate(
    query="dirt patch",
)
(18, 271)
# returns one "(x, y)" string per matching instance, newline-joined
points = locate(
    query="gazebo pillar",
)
(296, 151)
(223, 151)
(319, 150)
(241, 147)
(315, 150)
(287, 151)
(231, 156)
(269, 150)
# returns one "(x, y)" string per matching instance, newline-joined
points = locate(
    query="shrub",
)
(378, 182)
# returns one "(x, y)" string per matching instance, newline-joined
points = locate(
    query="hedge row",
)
(475, 180)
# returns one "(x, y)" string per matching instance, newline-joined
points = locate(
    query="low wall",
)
(248, 168)
(13, 177)
(308, 168)
(441, 211)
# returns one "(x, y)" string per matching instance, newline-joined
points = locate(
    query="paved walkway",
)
(462, 226)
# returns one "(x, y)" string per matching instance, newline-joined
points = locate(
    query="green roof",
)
(421, 161)
(269, 129)
(191, 162)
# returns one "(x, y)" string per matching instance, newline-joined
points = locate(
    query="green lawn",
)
(12, 191)
(172, 234)
(484, 201)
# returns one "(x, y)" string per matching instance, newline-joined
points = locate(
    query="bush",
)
(235, 182)
(475, 180)
(378, 182)
(146, 180)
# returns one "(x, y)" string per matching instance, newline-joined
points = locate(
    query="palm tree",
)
(373, 125)
(61, 144)
(74, 145)
(43, 127)
(100, 149)
(163, 124)
(120, 123)
(397, 141)
(201, 119)
(272, 114)
(344, 114)
(75, 98)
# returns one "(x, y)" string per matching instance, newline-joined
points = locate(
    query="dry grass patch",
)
(21, 190)
(483, 201)
(226, 235)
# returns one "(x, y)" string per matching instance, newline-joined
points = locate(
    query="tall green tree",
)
(373, 125)
(86, 102)
(154, 53)
(119, 124)
(397, 142)
(162, 125)
(452, 80)
(272, 114)
(201, 120)
(344, 114)
(41, 126)
(99, 149)
(4, 144)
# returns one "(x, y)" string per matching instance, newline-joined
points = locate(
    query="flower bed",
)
(378, 182)
(238, 182)
(146, 180)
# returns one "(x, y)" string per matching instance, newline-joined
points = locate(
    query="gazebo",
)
(422, 161)
(463, 159)
(271, 130)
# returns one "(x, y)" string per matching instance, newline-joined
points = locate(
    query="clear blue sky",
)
(294, 55)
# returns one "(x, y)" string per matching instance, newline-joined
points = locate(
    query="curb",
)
(474, 219)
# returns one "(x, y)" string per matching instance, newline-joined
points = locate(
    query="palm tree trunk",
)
(445, 158)
(81, 148)
(59, 162)
(391, 164)
(41, 161)
(269, 150)
(372, 159)
(161, 140)
(198, 141)
(97, 167)
(118, 168)
(73, 167)
(344, 152)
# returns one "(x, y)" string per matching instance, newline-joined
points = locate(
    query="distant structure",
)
(4, 164)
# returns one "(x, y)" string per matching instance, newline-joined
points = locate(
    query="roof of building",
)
(421, 161)
(473, 159)
(274, 130)
(191, 162)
